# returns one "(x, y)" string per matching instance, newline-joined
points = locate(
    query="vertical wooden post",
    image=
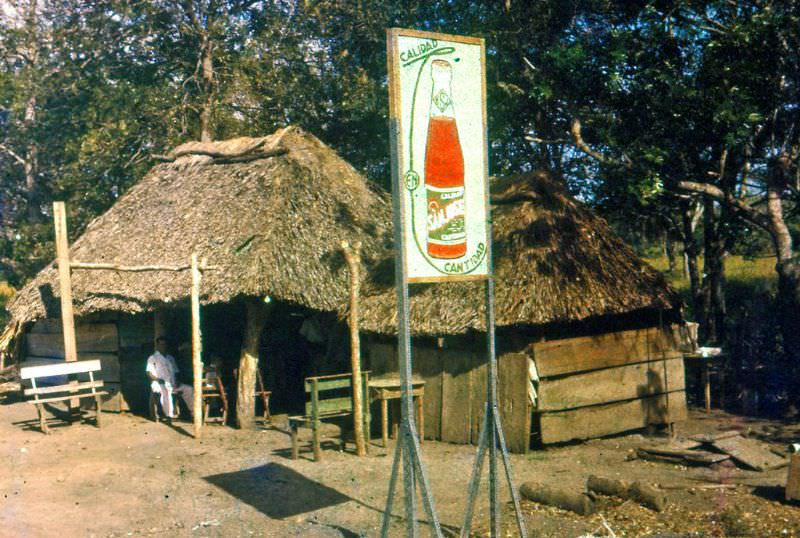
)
(65, 288)
(257, 312)
(65, 281)
(197, 348)
(353, 256)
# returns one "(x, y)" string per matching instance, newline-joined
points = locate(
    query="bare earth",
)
(134, 477)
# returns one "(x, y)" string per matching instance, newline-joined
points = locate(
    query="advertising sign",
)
(437, 100)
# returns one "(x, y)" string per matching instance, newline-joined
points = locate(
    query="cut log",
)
(612, 384)
(608, 486)
(750, 452)
(648, 496)
(577, 502)
(644, 494)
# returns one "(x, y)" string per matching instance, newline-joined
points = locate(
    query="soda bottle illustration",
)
(444, 171)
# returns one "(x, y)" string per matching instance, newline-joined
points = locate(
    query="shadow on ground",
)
(277, 491)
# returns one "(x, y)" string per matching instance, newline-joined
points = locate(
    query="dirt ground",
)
(134, 477)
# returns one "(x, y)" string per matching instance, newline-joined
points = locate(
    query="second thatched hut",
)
(584, 329)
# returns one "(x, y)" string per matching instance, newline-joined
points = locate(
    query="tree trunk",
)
(207, 62)
(256, 317)
(691, 251)
(712, 315)
(669, 250)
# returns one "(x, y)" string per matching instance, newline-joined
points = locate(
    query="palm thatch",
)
(555, 262)
(268, 214)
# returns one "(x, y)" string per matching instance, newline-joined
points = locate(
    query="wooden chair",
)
(330, 396)
(264, 394)
(64, 392)
(213, 389)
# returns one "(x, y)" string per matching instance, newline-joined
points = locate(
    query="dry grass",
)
(758, 272)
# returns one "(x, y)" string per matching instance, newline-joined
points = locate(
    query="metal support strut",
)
(491, 436)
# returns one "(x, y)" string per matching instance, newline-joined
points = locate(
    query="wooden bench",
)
(64, 392)
(330, 396)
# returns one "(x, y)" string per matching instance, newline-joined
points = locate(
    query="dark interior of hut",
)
(296, 343)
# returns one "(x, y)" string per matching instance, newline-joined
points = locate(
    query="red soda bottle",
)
(444, 171)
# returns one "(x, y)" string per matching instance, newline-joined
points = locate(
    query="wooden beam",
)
(65, 281)
(612, 384)
(559, 357)
(599, 420)
(353, 257)
(137, 268)
(197, 349)
(65, 290)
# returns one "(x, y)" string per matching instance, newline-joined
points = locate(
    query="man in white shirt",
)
(161, 370)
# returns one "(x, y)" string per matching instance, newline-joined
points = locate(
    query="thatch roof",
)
(555, 262)
(269, 214)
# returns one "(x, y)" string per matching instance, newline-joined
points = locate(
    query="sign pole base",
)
(407, 450)
(491, 437)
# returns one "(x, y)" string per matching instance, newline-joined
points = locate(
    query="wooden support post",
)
(353, 257)
(197, 348)
(256, 318)
(65, 287)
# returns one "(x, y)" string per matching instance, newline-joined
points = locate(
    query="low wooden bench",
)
(330, 396)
(64, 392)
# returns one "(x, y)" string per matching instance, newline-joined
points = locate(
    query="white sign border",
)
(394, 63)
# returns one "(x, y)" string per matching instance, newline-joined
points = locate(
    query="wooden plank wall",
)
(606, 384)
(95, 340)
(455, 391)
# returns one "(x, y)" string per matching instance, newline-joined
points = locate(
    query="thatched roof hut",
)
(573, 303)
(267, 213)
(555, 260)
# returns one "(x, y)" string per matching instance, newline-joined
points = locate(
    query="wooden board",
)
(428, 366)
(478, 398)
(559, 357)
(456, 411)
(793, 480)
(98, 338)
(136, 331)
(380, 358)
(750, 452)
(515, 408)
(676, 455)
(612, 384)
(600, 420)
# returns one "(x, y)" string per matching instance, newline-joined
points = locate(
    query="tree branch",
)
(575, 130)
(753, 215)
(16, 156)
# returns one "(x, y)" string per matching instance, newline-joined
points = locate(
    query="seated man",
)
(161, 370)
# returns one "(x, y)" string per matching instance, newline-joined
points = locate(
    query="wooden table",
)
(705, 362)
(388, 388)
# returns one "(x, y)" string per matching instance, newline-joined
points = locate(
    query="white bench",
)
(63, 392)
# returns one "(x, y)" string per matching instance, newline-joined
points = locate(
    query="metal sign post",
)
(442, 230)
